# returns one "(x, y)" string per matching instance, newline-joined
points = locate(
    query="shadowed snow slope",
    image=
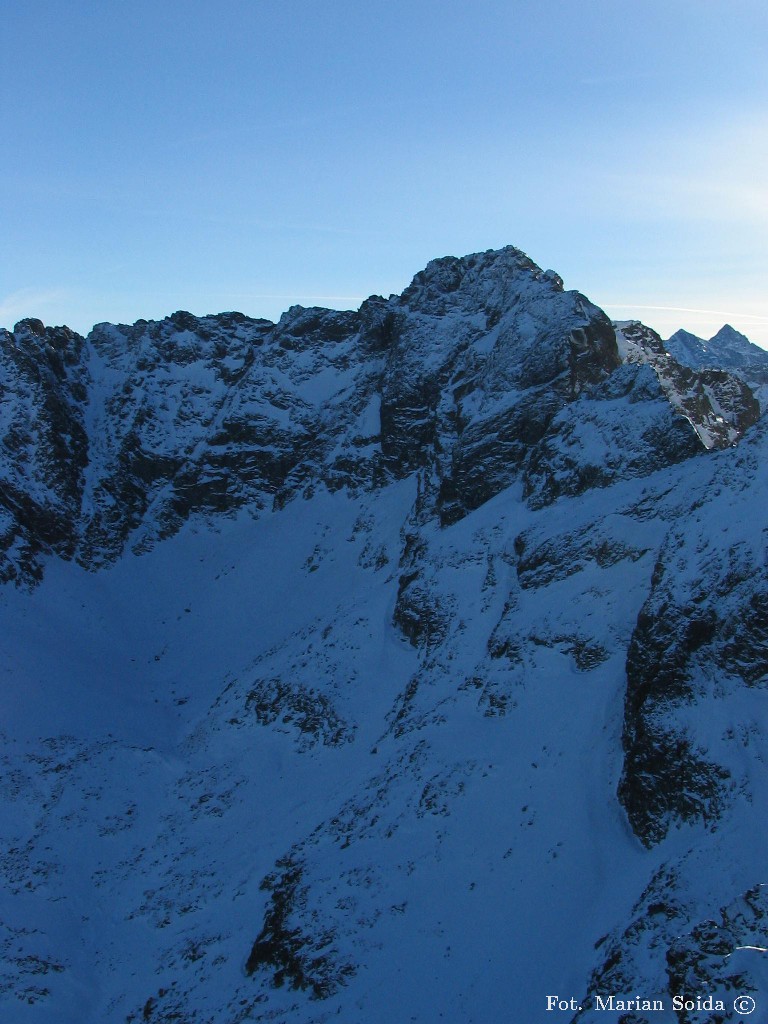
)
(405, 664)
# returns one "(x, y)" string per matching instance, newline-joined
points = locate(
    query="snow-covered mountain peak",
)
(403, 663)
(728, 349)
(728, 335)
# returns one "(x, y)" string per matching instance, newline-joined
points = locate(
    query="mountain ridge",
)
(210, 413)
(405, 662)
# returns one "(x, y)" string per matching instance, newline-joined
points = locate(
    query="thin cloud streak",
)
(688, 309)
(304, 295)
(31, 302)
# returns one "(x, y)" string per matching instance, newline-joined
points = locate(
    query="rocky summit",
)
(399, 664)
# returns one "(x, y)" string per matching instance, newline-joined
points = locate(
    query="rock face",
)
(43, 387)
(404, 663)
(701, 632)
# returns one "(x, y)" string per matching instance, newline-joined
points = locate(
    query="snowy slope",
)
(412, 670)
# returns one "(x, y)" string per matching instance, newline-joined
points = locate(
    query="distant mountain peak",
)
(729, 350)
(729, 335)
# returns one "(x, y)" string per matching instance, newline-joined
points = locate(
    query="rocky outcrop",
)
(724, 956)
(44, 443)
(302, 960)
(700, 638)
(309, 713)
(588, 445)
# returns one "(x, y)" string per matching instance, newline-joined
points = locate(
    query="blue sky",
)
(249, 155)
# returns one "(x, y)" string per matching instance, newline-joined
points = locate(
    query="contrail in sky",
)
(686, 309)
(302, 295)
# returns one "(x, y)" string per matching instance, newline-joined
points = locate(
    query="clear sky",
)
(249, 154)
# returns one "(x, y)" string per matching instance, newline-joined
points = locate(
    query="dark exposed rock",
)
(718, 957)
(420, 613)
(293, 957)
(587, 445)
(43, 391)
(722, 955)
(309, 712)
(543, 561)
(489, 454)
(701, 630)
(666, 781)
